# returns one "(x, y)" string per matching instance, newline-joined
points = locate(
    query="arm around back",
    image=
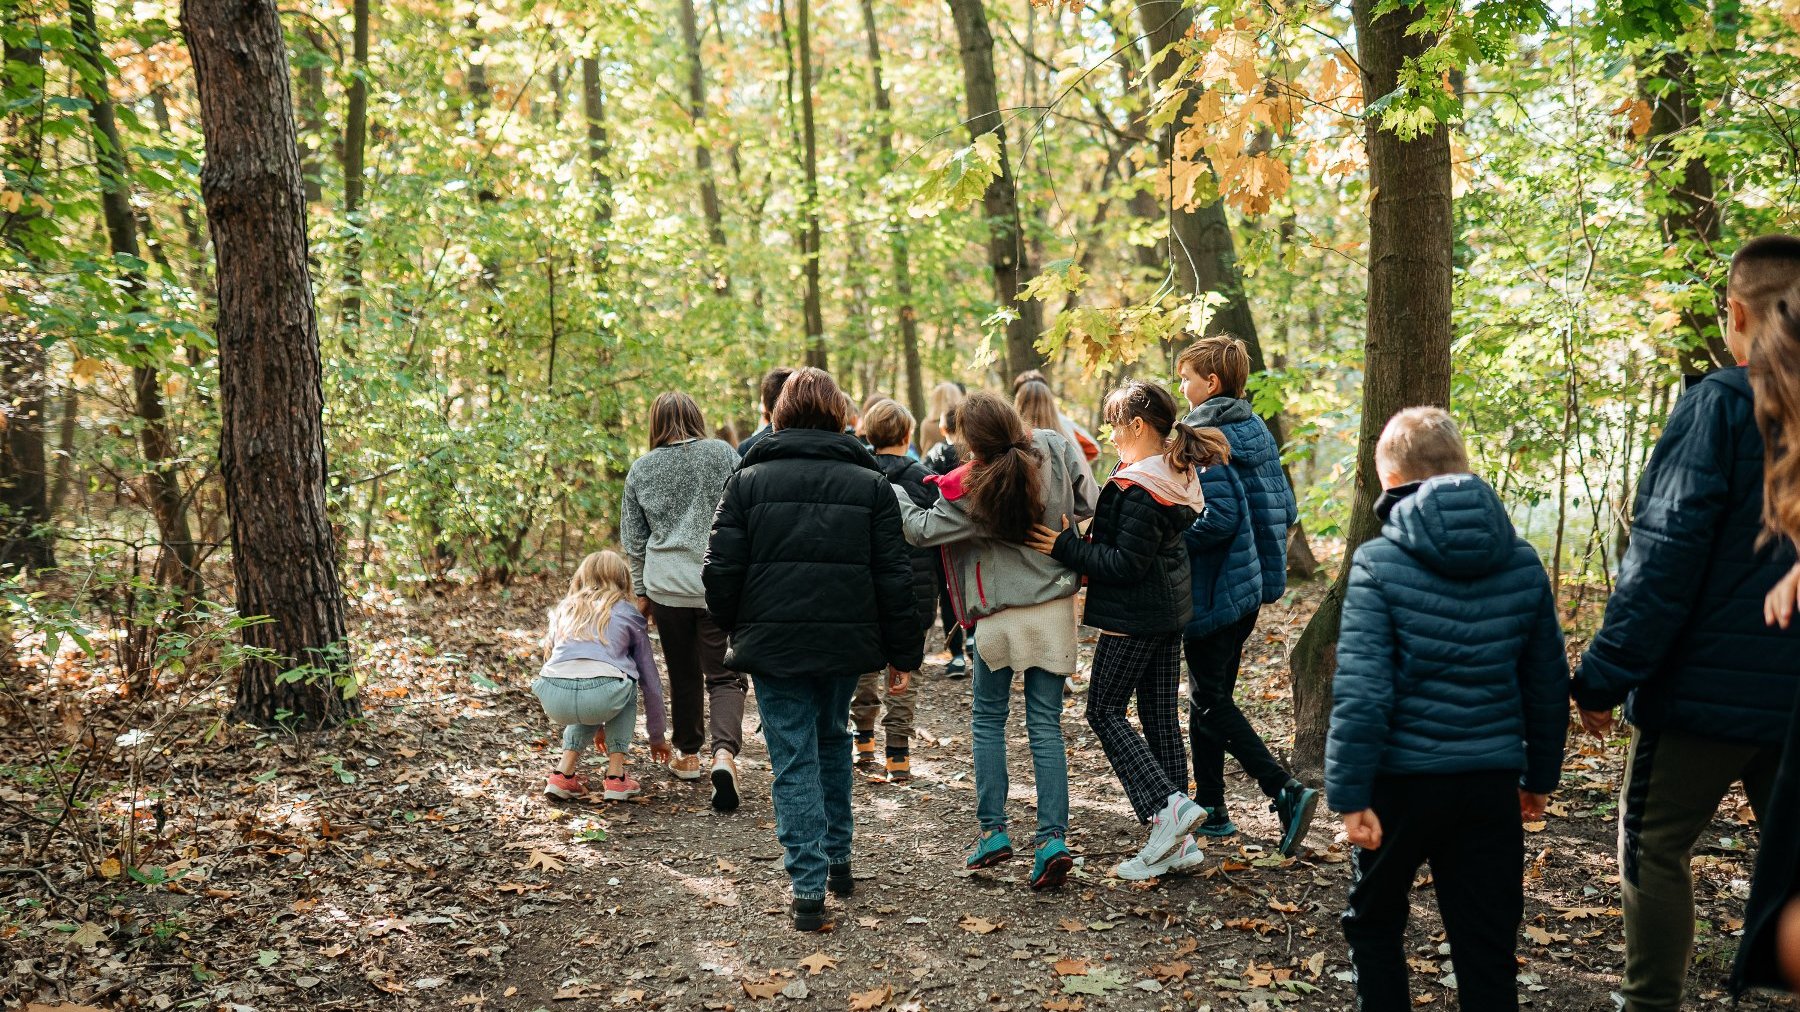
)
(1362, 690)
(902, 639)
(1132, 547)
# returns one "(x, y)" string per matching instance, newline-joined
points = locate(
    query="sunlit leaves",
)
(958, 178)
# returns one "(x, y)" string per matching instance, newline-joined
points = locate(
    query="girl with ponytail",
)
(1140, 598)
(1016, 478)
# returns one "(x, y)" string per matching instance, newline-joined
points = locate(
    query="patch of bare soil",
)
(412, 862)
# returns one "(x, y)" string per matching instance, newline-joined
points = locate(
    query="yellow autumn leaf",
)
(85, 369)
(111, 868)
(11, 201)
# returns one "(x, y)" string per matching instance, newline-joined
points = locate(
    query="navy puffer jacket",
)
(1683, 643)
(807, 570)
(1450, 659)
(1221, 547)
(1257, 460)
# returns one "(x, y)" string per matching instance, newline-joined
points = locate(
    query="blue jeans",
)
(585, 705)
(992, 691)
(805, 723)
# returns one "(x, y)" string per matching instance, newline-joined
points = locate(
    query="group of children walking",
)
(1450, 708)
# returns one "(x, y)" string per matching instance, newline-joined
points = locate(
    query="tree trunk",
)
(272, 447)
(1689, 213)
(312, 115)
(709, 187)
(817, 354)
(1007, 251)
(898, 252)
(1406, 354)
(356, 138)
(175, 566)
(593, 110)
(25, 536)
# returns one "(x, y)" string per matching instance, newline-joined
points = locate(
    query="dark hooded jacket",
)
(909, 475)
(1450, 658)
(1135, 560)
(1256, 458)
(1221, 544)
(807, 570)
(1777, 877)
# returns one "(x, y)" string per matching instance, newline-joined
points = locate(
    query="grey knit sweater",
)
(671, 494)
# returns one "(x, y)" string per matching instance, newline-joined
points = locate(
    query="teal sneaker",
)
(1294, 806)
(1217, 824)
(994, 848)
(1053, 864)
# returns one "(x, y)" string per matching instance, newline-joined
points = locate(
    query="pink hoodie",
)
(1164, 483)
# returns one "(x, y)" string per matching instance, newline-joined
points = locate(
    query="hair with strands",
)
(1765, 277)
(1005, 490)
(1184, 446)
(601, 581)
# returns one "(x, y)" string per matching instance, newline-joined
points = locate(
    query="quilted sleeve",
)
(1362, 691)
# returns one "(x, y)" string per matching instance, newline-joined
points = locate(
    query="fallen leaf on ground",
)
(1542, 937)
(763, 990)
(540, 859)
(1070, 924)
(979, 925)
(869, 1001)
(1065, 1005)
(1097, 981)
(818, 963)
(1069, 967)
(1170, 972)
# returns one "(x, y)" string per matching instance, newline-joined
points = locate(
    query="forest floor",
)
(411, 861)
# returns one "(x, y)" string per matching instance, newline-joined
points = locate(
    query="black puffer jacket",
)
(910, 475)
(1777, 878)
(807, 569)
(1135, 561)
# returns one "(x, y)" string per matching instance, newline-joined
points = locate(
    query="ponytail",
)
(1187, 447)
(1005, 487)
(1191, 448)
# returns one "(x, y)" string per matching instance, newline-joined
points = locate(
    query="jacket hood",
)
(1251, 443)
(817, 444)
(894, 466)
(1455, 524)
(1164, 483)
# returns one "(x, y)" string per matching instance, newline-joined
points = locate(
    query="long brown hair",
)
(1037, 406)
(675, 417)
(1765, 276)
(1006, 493)
(1184, 446)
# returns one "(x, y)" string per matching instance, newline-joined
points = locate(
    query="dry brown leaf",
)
(570, 992)
(1186, 946)
(1168, 973)
(1065, 1005)
(1283, 908)
(544, 861)
(1582, 913)
(1543, 937)
(1535, 827)
(869, 1001)
(38, 1007)
(763, 990)
(1071, 924)
(818, 963)
(1070, 967)
(979, 925)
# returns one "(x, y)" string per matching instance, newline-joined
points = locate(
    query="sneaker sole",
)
(1194, 815)
(619, 795)
(1218, 833)
(725, 792)
(1302, 824)
(561, 795)
(1056, 872)
(997, 857)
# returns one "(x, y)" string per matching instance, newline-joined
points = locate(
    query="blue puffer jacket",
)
(1684, 638)
(1450, 659)
(1221, 547)
(1257, 460)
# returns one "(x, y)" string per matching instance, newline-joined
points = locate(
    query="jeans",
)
(1215, 724)
(1466, 826)
(992, 690)
(587, 704)
(694, 652)
(805, 723)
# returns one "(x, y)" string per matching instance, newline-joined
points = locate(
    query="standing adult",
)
(808, 573)
(766, 394)
(670, 496)
(1707, 685)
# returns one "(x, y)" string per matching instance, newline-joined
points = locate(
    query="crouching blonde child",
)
(597, 657)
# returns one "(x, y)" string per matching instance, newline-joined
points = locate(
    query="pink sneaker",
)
(565, 786)
(620, 788)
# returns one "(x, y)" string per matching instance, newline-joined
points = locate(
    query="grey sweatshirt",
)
(988, 575)
(671, 494)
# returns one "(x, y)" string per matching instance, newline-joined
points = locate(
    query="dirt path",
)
(412, 863)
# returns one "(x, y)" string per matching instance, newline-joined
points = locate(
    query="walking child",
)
(888, 427)
(1448, 717)
(1238, 551)
(1140, 598)
(597, 658)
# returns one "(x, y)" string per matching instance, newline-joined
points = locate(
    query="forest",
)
(329, 333)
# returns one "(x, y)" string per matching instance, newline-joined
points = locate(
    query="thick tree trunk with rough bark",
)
(1406, 356)
(272, 448)
(899, 254)
(1007, 251)
(812, 244)
(709, 187)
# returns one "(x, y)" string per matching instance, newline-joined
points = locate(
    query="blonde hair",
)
(1037, 405)
(601, 581)
(887, 423)
(944, 396)
(1421, 443)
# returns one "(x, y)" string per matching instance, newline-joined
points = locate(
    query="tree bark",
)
(593, 110)
(26, 539)
(312, 114)
(356, 139)
(176, 564)
(817, 354)
(1406, 352)
(709, 187)
(272, 448)
(899, 254)
(1007, 252)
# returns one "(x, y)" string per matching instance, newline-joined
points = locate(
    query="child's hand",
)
(1363, 828)
(643, 606)
(1598, 723)
(898, 680)
(1531, 806)
(1779, 606)
(660, 751)
(1043, 539)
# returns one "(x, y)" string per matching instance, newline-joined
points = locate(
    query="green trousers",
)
(1674, 782)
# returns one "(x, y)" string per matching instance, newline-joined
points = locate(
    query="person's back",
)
(1256, 458)
(908, 475)
(671, 493)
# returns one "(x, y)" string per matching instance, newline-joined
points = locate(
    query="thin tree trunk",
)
(26, 538)
(898, 252)
(312, 115)
(66, 427)
(1007, 252)
(175, 566)
(272, 447)
(816, 351)
(356, 138)
(593, 110)
(709, 187)
(1406, 356)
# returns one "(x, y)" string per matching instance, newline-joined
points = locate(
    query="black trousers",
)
(1466, 826)
(1216, 725)
(694, 655)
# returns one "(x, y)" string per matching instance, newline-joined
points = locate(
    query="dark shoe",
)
(839, 880)
(957, 668)
(809, 915)
(1217, 825)
(1294, 806)
(1052, 866)
(724, 782)
(990, 850)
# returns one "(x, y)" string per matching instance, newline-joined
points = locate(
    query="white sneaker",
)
(1168, 827)
(1186, 859)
